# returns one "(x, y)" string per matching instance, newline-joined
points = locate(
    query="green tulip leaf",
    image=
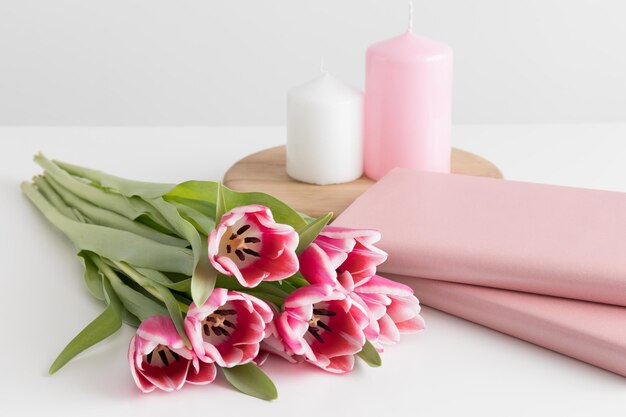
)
(133, 208)
(204, 193)
(55, 199)
(203, 223)
(111, 219)
(120, 185)
(158, 277)
(205, 208)
(138, 304)
(203, 282)
(281, 212)
(309, 232)
(174, 311)
(203, 275)
(92, 276)
(99, 329)
(269, 288)
(117, 245)
(110, 201)
(370, 355)
(220, 204)
(297, 280)
(250, 380)
(130, 319)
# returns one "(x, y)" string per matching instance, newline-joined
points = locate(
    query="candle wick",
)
(322, 68)
(410, 16)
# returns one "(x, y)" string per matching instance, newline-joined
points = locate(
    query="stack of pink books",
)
(543, 263)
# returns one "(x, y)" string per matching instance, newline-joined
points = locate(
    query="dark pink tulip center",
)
(319, 322)
(222, 322)
(241, 242)
(161, 356)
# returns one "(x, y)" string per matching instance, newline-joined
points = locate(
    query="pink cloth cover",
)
(535, 238)
(591, 332)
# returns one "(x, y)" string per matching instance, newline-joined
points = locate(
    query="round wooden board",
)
(265, 172)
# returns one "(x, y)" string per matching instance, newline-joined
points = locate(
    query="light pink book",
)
(591, 332)
(543, 239)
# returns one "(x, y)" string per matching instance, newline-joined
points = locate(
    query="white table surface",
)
(453, 368)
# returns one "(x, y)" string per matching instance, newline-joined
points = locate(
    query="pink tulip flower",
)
(158, 358)
(339, 249)
(272, 345)
(318, 324)
(393, 310)
(250, 245)
(228, 328)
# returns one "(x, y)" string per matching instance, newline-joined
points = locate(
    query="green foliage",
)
(204, 195)
(114, 244)
(250, 380)
(174, 311)
(93, 278)
(137, 303)
(111, 219)
(308, 233)
(123, 186)
(144, 250)
(203, 275)
(370, 355)
(99, 329)
(220, 204)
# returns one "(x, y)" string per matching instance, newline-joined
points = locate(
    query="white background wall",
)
(160, 62)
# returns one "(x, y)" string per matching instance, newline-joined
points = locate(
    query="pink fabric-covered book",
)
(591, 332)
(542, 239)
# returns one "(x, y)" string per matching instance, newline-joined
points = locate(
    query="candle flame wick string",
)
(322, 68)
(410, 16)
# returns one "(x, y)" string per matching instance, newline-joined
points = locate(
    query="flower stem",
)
(145, 283)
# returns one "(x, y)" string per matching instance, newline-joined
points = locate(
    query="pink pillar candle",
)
(408, 94)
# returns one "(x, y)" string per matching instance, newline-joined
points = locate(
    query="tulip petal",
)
(264, 269)
(291, 331)
(142, 383)
(252, 278)
(375, 306)
(324, 326)
(242, 326)
(388, 330)
(345, 339)
(271, 255)
(336, 250)
(201, 373)
(261, 358)
(160, 330)
(359, 311)
(167, 378)
(379, 285)
(412, 325)
(403, 308)
(272, 345)
(316, 266)
(307, 295)
(346, 281)
(340, 233)
(372, 331)
(340, 364)
(362, 261)
(261, 307)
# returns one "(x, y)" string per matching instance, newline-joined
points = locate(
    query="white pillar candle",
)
(325, 131)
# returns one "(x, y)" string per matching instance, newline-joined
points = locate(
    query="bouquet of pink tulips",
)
(212, 278)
